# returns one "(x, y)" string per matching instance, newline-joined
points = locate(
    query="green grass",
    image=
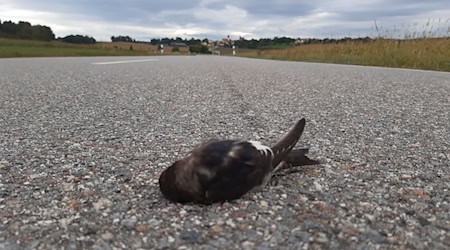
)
(28, 48)
(423, 53)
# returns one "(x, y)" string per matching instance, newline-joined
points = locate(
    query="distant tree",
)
(37, 32)
(43, 33)
(24, 30)
(121, 39)
(10, 28)
(193, 41)
(79, 39)
(166, 40)
(199, 49)
(155, 41)
(253, 44)
(204, 50)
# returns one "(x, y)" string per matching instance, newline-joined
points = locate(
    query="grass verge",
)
(422, 53)
(29, 48)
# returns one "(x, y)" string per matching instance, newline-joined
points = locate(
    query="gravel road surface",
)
(83, 141)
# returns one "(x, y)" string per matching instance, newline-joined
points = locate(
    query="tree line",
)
(159, 41)
(263, 42)
(79, 39)
(166, 40)
(268, 43)
(122, 39)
(24, 30)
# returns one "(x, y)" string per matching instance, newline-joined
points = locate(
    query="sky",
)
(215, 19)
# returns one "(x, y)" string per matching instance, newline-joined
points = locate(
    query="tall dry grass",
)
(418, 47)
(425, 53)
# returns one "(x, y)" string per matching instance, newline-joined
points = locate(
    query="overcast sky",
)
(214, 19)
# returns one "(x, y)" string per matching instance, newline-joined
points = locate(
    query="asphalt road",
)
(83, 140)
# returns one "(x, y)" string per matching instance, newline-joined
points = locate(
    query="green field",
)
(28, 48)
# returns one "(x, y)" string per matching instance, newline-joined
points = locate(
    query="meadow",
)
(420, 53)
(415, 46)
(30, 48)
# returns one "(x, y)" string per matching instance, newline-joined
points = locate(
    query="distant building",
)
(299, 41)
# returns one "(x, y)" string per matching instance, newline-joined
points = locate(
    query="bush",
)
(199, 49)
(79, 39)
(122, 39)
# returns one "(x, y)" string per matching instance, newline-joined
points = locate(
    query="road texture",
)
(83, 141)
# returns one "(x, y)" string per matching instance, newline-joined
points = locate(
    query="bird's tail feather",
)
(297, 157)
(282, 148)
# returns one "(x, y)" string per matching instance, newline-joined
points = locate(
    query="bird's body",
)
(218, 171)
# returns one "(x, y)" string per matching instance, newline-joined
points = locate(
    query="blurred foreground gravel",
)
(82, 146)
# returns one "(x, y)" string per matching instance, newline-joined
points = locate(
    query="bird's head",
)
(167, 183)
(177, 182)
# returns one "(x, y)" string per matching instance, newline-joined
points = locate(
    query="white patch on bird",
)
(263, 149)
(206, 172)
(233, 151)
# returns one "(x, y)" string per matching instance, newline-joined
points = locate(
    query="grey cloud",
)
(218, 18)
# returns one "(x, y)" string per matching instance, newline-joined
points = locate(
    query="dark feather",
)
(297, 157)
(282, 147)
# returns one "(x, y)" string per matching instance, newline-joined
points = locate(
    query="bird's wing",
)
(282, 147)
(230, 169)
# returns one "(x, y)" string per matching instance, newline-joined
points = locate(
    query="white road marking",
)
(128, 61)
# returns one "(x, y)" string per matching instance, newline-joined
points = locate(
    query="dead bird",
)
(217, 171)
